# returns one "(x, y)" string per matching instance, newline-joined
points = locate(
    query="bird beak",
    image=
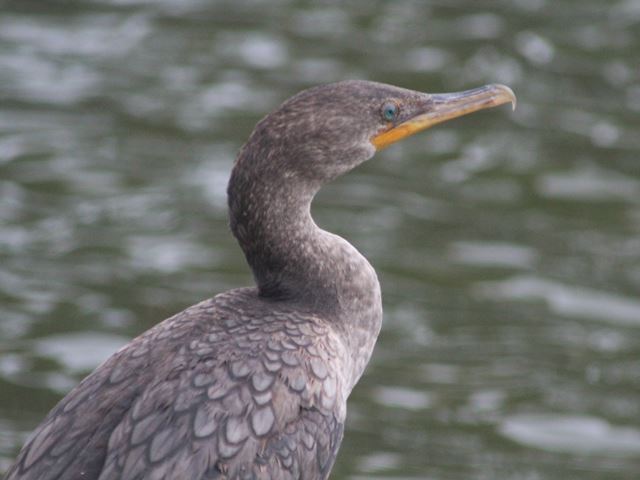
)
(446, 106)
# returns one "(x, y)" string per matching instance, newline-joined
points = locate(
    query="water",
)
(507, 244)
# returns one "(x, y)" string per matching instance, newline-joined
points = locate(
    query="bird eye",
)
(390, 111)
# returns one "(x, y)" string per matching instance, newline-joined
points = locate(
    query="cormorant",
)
(253, 383)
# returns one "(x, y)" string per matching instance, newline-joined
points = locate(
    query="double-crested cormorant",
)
(253, 383)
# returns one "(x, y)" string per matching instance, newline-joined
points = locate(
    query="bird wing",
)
(72, 438)
(224, 398)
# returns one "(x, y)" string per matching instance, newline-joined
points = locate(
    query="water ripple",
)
(79, 352)
(565, 300)
(571, 434)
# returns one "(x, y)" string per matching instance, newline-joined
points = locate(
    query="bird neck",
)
(272, 222)
(295, 261)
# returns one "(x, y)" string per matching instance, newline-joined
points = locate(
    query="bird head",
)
(325, 131)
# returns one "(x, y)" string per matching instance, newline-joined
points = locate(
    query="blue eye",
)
(390, 111)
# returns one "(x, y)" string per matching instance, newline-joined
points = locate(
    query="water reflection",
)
(506, 244)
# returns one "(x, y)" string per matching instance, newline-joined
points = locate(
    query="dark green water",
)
(507, 244)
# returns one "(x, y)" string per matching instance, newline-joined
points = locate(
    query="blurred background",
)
(507, 244)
